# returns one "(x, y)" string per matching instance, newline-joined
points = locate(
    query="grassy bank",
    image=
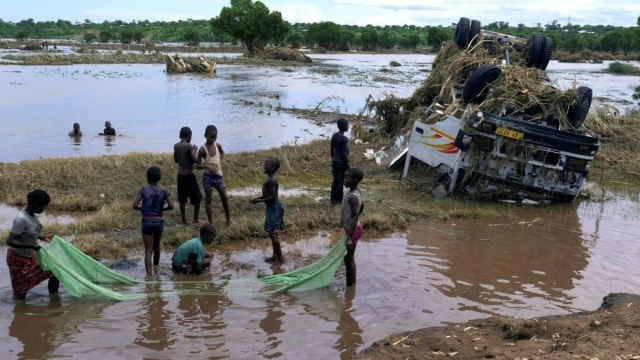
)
(129, 58)
(76, 184)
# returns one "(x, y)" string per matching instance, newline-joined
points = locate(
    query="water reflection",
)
(348, 327)
(76, 141)
(153, 331)
(508, 263)
(109, 143)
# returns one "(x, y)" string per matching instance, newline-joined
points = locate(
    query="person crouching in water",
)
(153, 198)
(22, 261)
(352, 207)
(190, 257)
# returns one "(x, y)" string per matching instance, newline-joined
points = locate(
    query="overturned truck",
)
(495, 126)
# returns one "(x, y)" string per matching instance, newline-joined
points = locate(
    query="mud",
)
(611, 332)
(537, 262)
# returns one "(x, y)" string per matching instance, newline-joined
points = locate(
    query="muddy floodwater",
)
(148, 107)
(541, 261)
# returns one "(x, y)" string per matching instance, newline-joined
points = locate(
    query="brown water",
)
(148, 108)
(552, 260)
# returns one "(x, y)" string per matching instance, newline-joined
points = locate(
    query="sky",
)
(352, 12)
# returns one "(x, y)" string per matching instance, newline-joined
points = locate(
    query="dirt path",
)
(611, 332)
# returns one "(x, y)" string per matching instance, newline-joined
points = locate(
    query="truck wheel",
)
(535, 46)
(474, 31)
(461, 36)
(475, 87)
(578, 111)
(545, 53)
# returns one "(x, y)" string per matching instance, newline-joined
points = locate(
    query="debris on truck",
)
(491, 121)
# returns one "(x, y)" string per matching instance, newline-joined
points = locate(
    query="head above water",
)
(271, 165)
(185, 133)
(107, 124)
(211, 134)
(208, 233)
(154, 174)
(343, 125)
(76, 126)
(38, 200)
(353, 177)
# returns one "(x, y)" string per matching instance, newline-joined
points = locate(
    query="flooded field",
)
(540, 261)
(148, 107)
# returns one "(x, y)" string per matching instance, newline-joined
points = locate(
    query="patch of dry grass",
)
(76, 184)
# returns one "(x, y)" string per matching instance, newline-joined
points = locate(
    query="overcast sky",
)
(356, 12)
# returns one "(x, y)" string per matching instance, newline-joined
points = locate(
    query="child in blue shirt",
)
(153, 198)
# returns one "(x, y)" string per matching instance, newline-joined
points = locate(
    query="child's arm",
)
(345, 151)
(201, 155)
(16, 230)
(271, 191)
(220, 150)
(175, 153)
(136, 202)
(194, 154)
(169, 204)
(333, 141)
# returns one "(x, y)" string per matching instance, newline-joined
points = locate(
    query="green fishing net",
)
(83, 276)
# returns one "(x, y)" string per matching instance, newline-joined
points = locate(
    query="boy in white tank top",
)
(209, 158)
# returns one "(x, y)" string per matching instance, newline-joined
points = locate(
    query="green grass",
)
(394, 64)
(623, 69)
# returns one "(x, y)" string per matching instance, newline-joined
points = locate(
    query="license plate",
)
(509, 133)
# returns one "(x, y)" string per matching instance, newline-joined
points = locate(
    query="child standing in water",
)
(339, 160)
(153, 198)
(352, 207)
(24, 270)
(274, 219)
(209, 158)
(185, 155)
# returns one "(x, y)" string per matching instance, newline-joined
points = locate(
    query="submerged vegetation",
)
(623, 69)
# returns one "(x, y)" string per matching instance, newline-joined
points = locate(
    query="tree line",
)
(254, 25)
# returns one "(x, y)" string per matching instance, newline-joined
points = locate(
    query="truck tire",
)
(545, 53)
(475, 87)
(578, 111)
(474, 31)
(461, 36)
(535, 46)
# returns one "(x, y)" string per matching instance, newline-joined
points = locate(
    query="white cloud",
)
(299, 12)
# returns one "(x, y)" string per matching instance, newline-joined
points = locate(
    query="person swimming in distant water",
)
(108, 130)
(76, 131)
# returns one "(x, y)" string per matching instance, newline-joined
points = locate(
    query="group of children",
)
(152, 200)
(108, 130)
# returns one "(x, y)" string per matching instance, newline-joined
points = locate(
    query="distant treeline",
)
(328, 35)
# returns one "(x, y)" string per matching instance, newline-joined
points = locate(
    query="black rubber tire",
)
(474, 31)
(461, 37)
(545, 53)
(535, 45)
(475, 87)
(578, 112)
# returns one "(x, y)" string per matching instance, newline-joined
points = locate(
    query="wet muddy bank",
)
(611, 332)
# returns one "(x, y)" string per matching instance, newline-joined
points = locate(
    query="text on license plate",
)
(509, 133)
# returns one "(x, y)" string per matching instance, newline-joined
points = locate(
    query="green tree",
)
(436, 36)
(22, 34)
(295, 39)
(329, 35)
(138, 35)
(192, 36)
(369, 38)
(105, 36)
(410, 41)
(252, 23)
(613, 41)
(574, 44)
(126, 36)
(388, 39)
(89, 37)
